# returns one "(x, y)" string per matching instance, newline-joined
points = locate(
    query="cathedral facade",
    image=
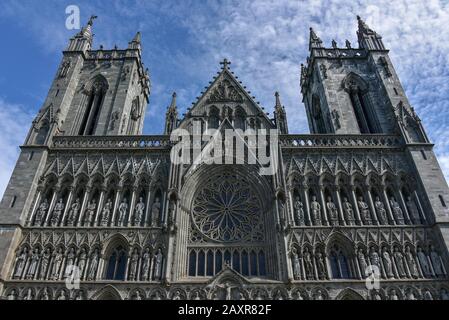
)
(358, 209)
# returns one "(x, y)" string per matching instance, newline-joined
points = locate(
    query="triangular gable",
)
(225, 88)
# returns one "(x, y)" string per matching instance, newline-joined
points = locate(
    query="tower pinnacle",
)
(314, 40)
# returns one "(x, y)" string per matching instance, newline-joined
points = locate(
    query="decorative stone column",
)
(51, 206)
(67, 205)
(132, 205)
(387, 205)
(83, 205)
(336, 191)
(371, 206)
(305, 193)
(99, 206)
(118, 194)
(147, 217)
(420, 208)
(40, 188)
(356, 207)
(323, 206)
(404, 207)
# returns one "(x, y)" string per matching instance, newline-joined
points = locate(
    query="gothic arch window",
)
(357, 89)
(41, 135)
(95, 93)
(317, 115)
(214, 119)
(339, 263)
(116, 263)
(240, 118)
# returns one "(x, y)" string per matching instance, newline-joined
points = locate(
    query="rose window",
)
(227, 209)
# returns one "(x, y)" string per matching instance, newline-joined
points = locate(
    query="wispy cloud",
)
(14, 123)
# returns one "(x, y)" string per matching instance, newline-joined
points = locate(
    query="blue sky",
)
(183, 42)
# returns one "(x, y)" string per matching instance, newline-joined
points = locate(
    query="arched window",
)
(117, 264)
(192, 263)
(339, 263)
(358, 94)
(317, 115)
(95, 97)
(214, 120)
(240, 118)
(42, 133)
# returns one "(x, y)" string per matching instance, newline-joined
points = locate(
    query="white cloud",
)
(14, 124)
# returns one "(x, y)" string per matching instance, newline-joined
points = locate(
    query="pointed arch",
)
(357, 88)
(349, 294)
(95, 91)
(107, 293)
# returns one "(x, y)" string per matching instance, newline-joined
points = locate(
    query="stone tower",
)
(93, 198)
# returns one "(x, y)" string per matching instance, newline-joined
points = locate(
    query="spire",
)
(368, 38)
(86, 31)
(82, 41)
(314, 40)
(173, 102)
(171, 116)
(278, 100)
(135, 42)
(280, 117)
(363, 27)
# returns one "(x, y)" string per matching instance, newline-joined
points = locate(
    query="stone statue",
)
(57, 213)
(362, 262)
(79, 296)
(374, 258)
(393, 295)
(319, 295)
(400, 262)
(413, 211)
(410, 295)
(106, 213)
(139, 212)
(146, 260)
(34, 261)
(12, 295)
(45, 260)
(133, 265)
(29, 295)
(349, 212)
(424, 263)
(137, 296)
(196, 296)
(397, 211)
(377, 296)
(122, 209)
(387, 263)
(157, 265)
(20, 263)
(321, 266)
(177, 295)
(299, 212)
(89, 218)
(41, 212)
(57, 262)
(62, 295)
(436, 262)
(409, 256)
(308, 264)
(94, 259)
(296, 264)
(155, 212)
(364, 211)
(71, 255)
(381, 212)
(315, 207)
(73, 212)
(82, 261)
(332, 211)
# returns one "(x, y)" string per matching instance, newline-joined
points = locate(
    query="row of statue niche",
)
(402, 265)
(411, 294)
(308, 259)
(91, 209)
(349, 214)
(391, 265)
(48, 265)
(45, 294)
